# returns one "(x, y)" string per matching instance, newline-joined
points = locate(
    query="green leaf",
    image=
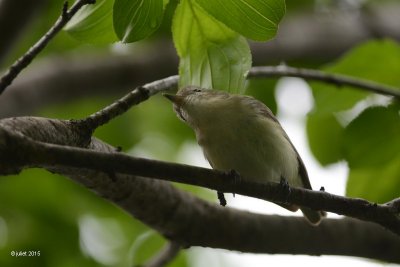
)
(165, 3)
(263, 90)
(325, 137)
(93, 23)
(137, 19)
(211, 55)
(370, 61)
(373, 138)
(379, 184)
(254, 19)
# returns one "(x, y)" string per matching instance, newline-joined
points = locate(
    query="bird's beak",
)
(176, 99)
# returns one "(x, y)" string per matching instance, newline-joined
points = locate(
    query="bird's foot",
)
(236, 177)
(221, 198)
(284, 184)
(112, 176)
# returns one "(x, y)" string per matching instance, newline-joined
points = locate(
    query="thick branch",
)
(194, 222)
(26, 59)
(124, 164)
(337, 79)
(49, 155)
(385, 215)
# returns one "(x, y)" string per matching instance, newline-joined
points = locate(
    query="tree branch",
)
(142, 93)
(361, 209)
(40, 154)
(310, 74)
(182, 217)
(134, 97)
(26, 59)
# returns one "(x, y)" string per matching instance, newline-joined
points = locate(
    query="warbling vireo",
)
(240, 133)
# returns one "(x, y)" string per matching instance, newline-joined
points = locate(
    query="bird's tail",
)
(313, 217)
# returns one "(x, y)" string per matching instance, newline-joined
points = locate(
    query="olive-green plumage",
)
(240, 133)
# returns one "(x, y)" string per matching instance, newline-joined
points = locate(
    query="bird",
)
(240, 133)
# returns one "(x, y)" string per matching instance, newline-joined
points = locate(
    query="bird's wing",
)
(314, 217)
(302, 168)
(265, 111)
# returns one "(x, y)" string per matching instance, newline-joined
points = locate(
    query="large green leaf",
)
(373, 138)
(372, 148)
(211, 55)
(137, 19)
(378, 183)
(263, 90)
(370, 61)
(254, 19)
(93, 23)
(325, 137)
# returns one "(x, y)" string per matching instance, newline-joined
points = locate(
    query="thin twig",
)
(141, 93)
(337, 79)
(134, 97)
(26, 59)
(39, 154)
(164, 256)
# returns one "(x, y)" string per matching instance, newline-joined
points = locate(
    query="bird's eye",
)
(197, 90)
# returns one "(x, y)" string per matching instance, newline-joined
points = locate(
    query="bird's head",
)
(193, 104)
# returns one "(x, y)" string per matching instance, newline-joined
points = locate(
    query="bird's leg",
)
(221, 198)
(236, 179)
(285, 186)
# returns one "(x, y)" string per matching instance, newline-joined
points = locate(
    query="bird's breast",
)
(254, 147)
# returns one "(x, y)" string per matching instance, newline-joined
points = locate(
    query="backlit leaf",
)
(254, 19)
(137, 19)
(211, 55)
(93, 23)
